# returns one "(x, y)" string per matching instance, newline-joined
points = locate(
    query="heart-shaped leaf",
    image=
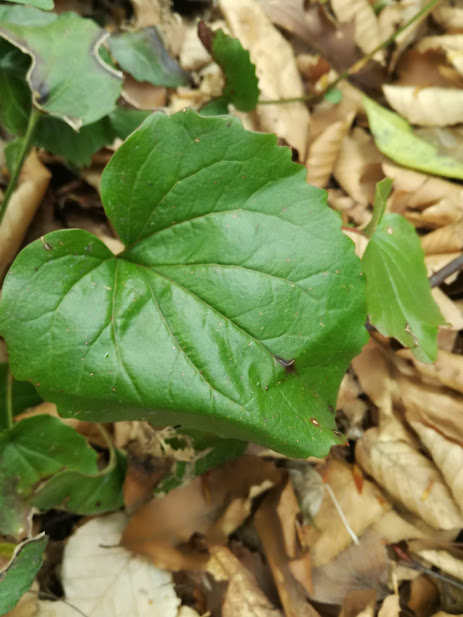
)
(235, 308)
(68, 78)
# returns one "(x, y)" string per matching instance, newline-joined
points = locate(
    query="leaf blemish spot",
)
(315, 422)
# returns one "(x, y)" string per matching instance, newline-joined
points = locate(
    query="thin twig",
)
(439, 277)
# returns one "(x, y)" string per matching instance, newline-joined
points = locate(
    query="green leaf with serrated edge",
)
(241, 83)
(398, 293)
(395, 138)
(217, 107)
(235, 309)
(19, 574)
(24, 394)
(45, 5)
(382, 192)
(68, 79)
(15, 96)
(143, 55)
(205, 452)
(32, 451)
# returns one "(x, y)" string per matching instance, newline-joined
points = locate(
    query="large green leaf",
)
(241, 83)
(395, 138)
(235, 309)
(46, 5)
(398, 294)
(14, 92)
(68, 78)
(19, 574)
(36, 449)
(143, 55)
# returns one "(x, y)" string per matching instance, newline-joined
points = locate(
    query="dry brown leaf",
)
(358, 166)
(287, 14)
(423, 596)
(243, 597)
(432, 106)
(324, 151)
(268, 526)
(447, 239)
(446, 370)
(409, 477)
(361, 566)
(353, 407)
(452, 44)
(435, 553)
(367, 34)
(359, 603)
(434, 263)
(449, 16)
(450, 310)
(360, 503)
(193, 55)
(390, 607)
(446, 454)
(212, 505)
(143, 95)
(276, 69)
(32, 186)
(373, 370)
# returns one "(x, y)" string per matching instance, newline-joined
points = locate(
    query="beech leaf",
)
(235, 309)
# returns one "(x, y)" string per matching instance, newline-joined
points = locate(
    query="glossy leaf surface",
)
(143, 55)
(68, 78)
(235, 309)
(19, 574)
(398, 293)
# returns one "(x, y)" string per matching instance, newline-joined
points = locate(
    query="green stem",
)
(26, 143)
(360, 63)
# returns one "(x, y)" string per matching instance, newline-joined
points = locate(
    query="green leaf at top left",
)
(68, 78)
(45, 5)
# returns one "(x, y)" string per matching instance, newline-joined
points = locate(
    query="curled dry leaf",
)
(268, 526)
(447, 370)
(452, 44)
(276, 69)
(432, 106)
(324, 151)
(444, 240)
(329, 535)
(449, 16)
(143, 95)
(390, 607)
(367, 34)
(358, 166)
(446, 454)
(453, 315)
(287, 14)
(32, 186)
(213, 505)
(373, 370)
(243, 597)
(409, 477)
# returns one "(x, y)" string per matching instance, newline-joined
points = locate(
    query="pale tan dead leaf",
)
(426, 106)
(409, 477)
(446, 370)
(243, 597)
(276, 69)
(358, 166)
(443, 213)
(358, 239)
(48, 608)
(323, 152)
(352, 406)
(392, 527)
(357, 500)
(187, 611)
(213, 505)
(101, 578)
(367, 34)
(449, 16)
(143, 95)
(193, 55)
(148, 12)
(452, 44)
(373, 370)
(359, 603)
(444, 614)
(390, 607)
(447, 239)
(32, 186)
(450, 310)
(309, 487)
(446, 454)
(449, 561)
(268, 526)
(287, 14)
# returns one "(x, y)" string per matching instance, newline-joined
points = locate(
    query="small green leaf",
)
(15, 98)
(143, 55)
(24, 394)
(45, 5)
(216, 107)
(235, 309)
(399, 300)
(382, 192)
(19, 574)
(395, 138)
(241, 83)
(334, 95)
(68, 78)
(34, 450)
